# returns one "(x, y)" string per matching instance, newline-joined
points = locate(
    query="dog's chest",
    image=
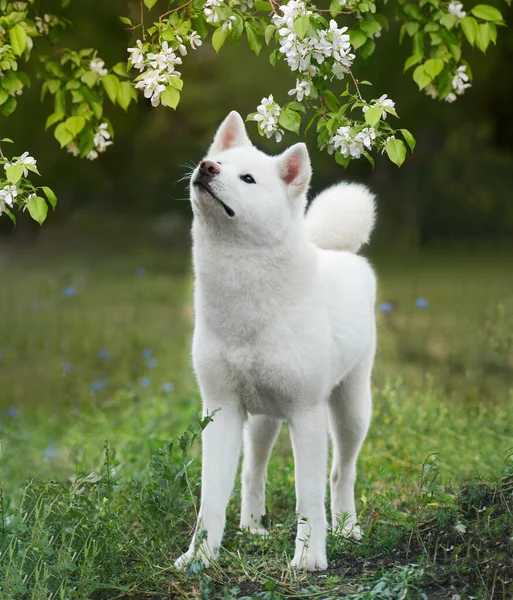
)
(267, 382)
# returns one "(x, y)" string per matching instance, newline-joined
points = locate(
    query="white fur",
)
(342, 217)
(284, 331)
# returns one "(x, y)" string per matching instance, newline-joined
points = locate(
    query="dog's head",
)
(242, 193)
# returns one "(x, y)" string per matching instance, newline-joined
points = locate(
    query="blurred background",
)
(96, 308)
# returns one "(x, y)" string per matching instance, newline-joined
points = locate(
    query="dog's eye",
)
(247, 179)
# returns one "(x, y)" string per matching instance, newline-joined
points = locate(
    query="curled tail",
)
(342, 217)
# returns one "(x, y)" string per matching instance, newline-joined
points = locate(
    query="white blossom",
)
(451, 97)
(8, 194)
(390, 137)
(210, 10)
(152, 84)
(246, 5)
(431, 91)
(456, 9)
(366, 136)
(267, 118)
(195, 40)
(93, 155)
(137, 56)
(165, 60)
(102, 138)
(460, 80)
(228, 23)
(383, 102)
(24, 159)
(72, 148)
(301, 90)
(97, 66)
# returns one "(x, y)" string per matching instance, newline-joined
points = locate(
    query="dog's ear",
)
(231, 134)
(295, 170)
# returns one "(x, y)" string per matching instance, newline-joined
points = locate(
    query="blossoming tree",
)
(320, 44)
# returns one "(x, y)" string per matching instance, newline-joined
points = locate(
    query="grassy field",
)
(99, 437)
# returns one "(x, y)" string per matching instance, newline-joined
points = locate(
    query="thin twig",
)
(142, 22)
(335, 13)
(271, 2)
(322, 108)
(175, 9)
(355, 84)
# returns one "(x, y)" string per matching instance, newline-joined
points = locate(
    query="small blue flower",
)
(421, 303)
(13, 412)
(145, 382)
(140, 272)
(386, 307)
(98, 385)
(69, 291)
(66, 366)
(168, 387)
(50, 451)
(147, 353)
(103, 353)
(152, 362)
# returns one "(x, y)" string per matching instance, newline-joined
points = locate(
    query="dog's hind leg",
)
(349, 419)
(260, 433)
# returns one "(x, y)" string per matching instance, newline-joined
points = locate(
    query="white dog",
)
(285, 331)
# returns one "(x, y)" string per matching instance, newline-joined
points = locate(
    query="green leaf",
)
(433, 67)
(18, 39)
(52, 198)
(11, 83)
(342, 160)
(410, 140)
(470, 28)
(418, 43)
(370, 27)
(487, 13)
(14, 173)
(38, 209)
(448, 20)
(126, 21)
(62, 135)
(54, 118)
(483, 37)
(3, 96)
(412, 60)
(290, 119)
(125, 94)
(253, 38)
(219, 38)
(7, 140)
(296, 106)
(301, 26)
(269, 32)
(150, 3)
(396, 151)
(111, 86)
(7, 108)
(331, 101)
(176, 82)
(368, 48)
(373, 115)
(170, 97)
(261, 5)
(358, 38)
(90, 78)
(75, 124)
(421, 78)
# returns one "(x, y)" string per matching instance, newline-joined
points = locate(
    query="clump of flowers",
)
(308, 54)
(267, 117)
(97, 65)
(460, 82)
(456, 9)
(28, 162)
(158, 68)
(101, 141)
(386, 104)
(351, 142)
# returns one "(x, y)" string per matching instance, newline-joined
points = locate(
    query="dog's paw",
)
(310, 560)
(260, 531)
(351, 531)
(202, 555)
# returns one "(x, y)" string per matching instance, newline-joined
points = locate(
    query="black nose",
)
(208, 169)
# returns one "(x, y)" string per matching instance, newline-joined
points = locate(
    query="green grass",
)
(99, 463)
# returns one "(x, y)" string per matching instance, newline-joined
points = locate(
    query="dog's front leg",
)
(309, 435)
(221, 441)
